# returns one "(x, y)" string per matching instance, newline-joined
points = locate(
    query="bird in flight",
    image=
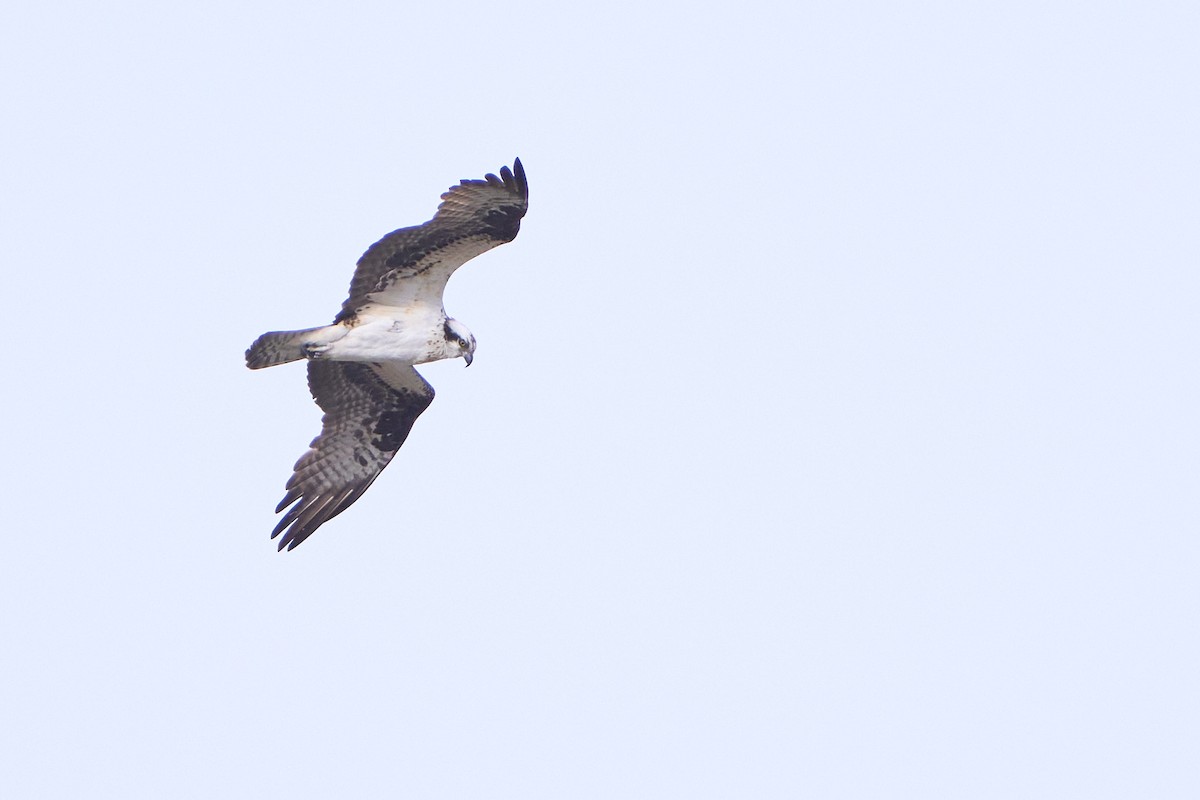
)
(360, 368)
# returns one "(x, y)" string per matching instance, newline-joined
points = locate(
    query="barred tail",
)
(278, 347)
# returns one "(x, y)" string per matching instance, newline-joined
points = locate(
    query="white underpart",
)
(403, 321)
(386, 333)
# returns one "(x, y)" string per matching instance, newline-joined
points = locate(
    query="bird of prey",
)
(360, 368)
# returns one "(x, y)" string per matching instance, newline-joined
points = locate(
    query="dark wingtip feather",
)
(287, 520)
(522, 183)
(305, 517)
(511, 179)
(291, 497)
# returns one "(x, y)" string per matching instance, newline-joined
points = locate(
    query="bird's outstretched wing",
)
(412, 265)
(369, 410)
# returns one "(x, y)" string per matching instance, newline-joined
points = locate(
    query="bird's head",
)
(460, 341)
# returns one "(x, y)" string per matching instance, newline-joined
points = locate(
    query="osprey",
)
(360, 368)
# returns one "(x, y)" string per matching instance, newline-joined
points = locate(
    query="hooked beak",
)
(468, 357)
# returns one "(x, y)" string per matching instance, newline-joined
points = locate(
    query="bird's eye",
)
(464, 344)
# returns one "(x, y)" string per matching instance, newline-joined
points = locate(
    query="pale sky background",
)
(832, 433)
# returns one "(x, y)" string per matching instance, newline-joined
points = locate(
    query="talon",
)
(313, 351)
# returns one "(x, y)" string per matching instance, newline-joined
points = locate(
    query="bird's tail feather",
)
(278, 347)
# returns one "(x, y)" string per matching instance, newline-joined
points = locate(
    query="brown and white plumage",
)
(412, 265)
(369, 410)
(360, 368)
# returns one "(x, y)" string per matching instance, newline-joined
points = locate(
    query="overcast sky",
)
(832, 431)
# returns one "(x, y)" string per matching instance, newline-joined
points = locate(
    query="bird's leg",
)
(321, 340)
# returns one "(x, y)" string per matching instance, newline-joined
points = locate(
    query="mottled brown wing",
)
(474, 217)
(369, 410)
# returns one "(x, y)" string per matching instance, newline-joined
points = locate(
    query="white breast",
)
(384, 333)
